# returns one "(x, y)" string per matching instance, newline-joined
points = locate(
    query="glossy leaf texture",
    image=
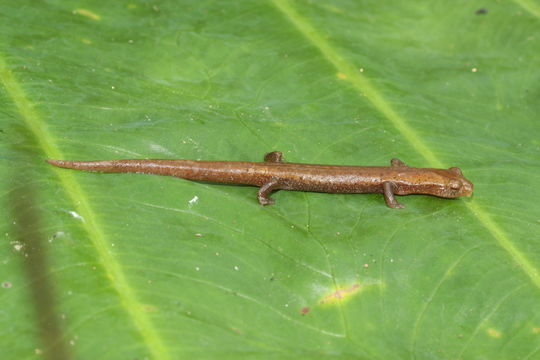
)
(130, 266)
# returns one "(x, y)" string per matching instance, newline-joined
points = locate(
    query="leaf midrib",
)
(90, 223)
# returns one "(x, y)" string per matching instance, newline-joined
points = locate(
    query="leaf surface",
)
(163, 268)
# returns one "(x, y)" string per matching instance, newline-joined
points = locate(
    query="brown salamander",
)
(275, 174)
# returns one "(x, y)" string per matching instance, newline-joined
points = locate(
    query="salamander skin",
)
(275, 174)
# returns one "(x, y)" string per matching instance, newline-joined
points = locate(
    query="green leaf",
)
(132, 266)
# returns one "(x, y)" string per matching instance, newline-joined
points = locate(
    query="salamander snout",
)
(467, 188)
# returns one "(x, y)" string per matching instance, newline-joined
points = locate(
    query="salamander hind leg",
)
(264, 192)
(389, 188)
(274, 156)
(397, 162)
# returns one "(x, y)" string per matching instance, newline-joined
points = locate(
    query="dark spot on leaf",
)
(304, 310)
(27, 231)
(481, 11)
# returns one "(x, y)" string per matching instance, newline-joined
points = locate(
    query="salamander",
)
(275, 174)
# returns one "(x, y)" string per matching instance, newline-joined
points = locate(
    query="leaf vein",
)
(362, 84)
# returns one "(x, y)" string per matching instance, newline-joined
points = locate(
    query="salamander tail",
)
(60, 163)
(83, 165)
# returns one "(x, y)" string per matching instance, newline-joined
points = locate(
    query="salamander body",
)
(275, 174)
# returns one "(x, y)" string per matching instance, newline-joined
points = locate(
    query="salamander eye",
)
(455, 185)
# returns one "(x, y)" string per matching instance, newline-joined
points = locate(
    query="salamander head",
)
(453, 184)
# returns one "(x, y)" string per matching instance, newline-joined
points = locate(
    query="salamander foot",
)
(397, 162)
(389, 188)
(264, 192)
(274, 156)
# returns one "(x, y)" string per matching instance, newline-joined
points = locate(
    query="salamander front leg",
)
(389, 188)
(264, 192)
